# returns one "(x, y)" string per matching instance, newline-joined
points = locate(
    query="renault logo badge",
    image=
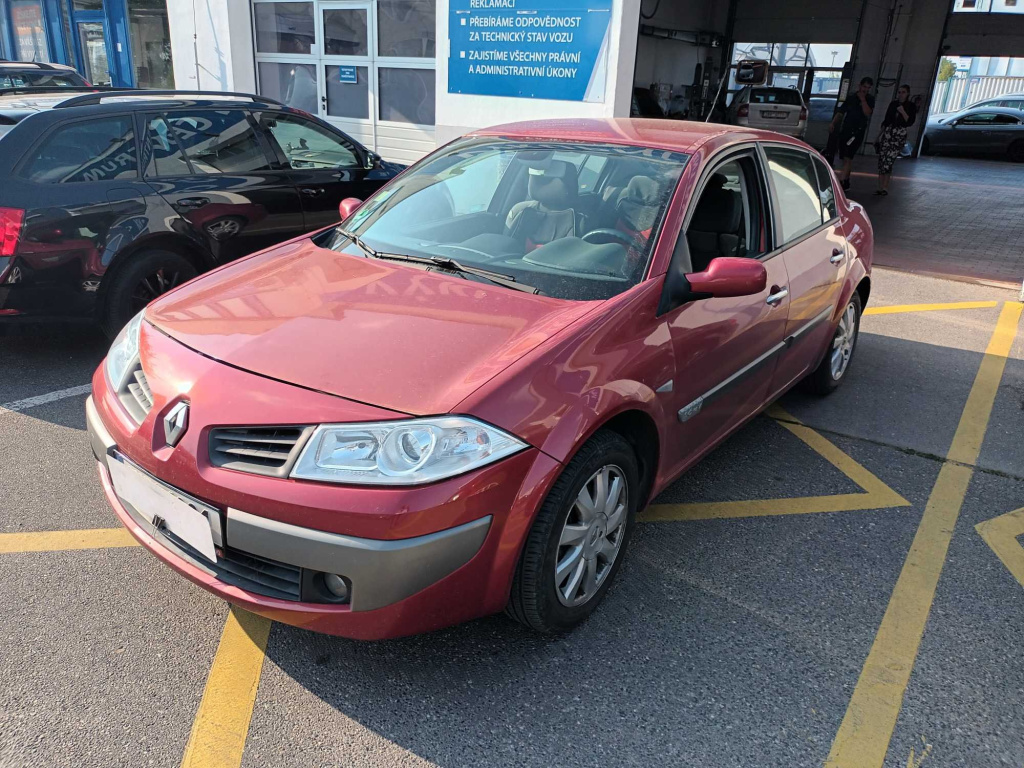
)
(175, 424)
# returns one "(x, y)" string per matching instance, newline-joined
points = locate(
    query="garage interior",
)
(956, 217)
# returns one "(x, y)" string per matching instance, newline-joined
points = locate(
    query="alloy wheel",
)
(842, 344)
(591, 536)
(151, 286)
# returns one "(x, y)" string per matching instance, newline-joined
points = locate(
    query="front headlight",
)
(401, 452)
(124, 352)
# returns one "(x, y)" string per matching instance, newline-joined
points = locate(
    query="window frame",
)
(19, 168)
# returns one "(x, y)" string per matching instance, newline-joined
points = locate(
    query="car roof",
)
(41, 99)
(989, 108)
(1000, 98)
(677, 135)
(42, 66)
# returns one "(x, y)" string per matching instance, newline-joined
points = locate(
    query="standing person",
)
(855, 115)
(898, 117)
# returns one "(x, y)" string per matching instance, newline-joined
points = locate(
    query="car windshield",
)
(23, 79)
(574, 220)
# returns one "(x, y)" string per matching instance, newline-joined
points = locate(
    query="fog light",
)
(336, 585)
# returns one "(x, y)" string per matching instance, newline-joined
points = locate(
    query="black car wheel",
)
(577, 541)
(926, 147)
(145, 276)
(1016, 151)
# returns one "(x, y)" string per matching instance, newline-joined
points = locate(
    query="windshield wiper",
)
(359, 243)
(450, 264)
(444, 262)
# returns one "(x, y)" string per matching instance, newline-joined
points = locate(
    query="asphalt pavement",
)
(817, 591)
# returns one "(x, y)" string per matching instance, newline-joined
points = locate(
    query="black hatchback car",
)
(110, 198)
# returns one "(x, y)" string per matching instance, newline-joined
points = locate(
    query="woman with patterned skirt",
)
(898, 117)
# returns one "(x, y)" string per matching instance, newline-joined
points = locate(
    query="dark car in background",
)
(29, 74)
(977, 131)
(110, 198)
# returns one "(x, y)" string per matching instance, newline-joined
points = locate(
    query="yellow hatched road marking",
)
(863, 737)
(877, 494)
(1001, 534)
(222, 722)
(898, 309)
(57, 541)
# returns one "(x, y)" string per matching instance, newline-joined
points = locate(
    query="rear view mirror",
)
(752, 72)
(728, 276)
(348, 206)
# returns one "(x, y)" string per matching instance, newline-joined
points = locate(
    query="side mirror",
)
(372, 158)
(348, 206)
(728, 276)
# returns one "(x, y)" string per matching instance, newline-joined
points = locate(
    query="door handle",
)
(192, 202)
(779, 295)
(312, 191)
(837, 255)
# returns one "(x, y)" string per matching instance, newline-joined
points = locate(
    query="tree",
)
(946, 69)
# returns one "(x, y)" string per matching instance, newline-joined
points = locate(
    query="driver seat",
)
(549, 214)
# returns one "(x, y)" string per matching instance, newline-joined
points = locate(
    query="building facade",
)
(404, 76)
(111, 42)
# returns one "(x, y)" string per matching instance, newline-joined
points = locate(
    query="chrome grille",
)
(260, 450)
(136, 395)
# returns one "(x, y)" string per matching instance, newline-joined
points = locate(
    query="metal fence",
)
(961, 91)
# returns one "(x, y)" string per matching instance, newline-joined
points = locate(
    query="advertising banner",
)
(532, 49)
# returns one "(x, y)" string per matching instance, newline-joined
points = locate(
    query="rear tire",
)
(1016, 151)
(585, 548)
(926, 147)
(143, 277)
(835, 364)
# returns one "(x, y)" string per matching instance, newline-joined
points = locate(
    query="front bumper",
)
(398, 586)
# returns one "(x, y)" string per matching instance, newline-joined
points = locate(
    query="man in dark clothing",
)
(854, 116)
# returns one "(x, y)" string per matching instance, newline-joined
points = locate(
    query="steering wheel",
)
(601, 236)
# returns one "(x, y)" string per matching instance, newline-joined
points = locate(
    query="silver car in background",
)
(977, 131)
(769, 108)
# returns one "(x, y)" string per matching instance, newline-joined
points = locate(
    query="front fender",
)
(595, 408)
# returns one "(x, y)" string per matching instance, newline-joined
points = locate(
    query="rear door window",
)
(219, 141)
(162, 154)
(796, 191)
(86, 150)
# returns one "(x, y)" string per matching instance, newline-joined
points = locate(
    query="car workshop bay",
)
(840, 581)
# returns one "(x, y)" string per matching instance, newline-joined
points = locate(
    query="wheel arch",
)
(157, 242)
(638, 428)
(864, 289)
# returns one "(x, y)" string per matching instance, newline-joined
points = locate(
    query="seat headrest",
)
(553, 184)
(639, 202)
(719, 210)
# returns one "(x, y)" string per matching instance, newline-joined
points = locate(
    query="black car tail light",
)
(11, 221)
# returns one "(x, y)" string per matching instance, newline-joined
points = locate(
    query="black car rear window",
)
(87, 150)
(775, 96)
(40, 79)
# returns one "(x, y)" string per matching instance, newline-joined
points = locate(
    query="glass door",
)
(345, 69)
(92, 41)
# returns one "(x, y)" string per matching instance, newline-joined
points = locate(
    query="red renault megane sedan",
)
(458, 400)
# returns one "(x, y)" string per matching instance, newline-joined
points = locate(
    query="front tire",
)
(576, 544)
(145, 276)
(1016, 151)
(834, 366)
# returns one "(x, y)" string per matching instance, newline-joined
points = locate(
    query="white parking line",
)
(49, 397)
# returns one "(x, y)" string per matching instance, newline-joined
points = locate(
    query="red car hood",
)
(378, 332)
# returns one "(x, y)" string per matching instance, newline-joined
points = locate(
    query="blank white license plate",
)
(775, 115)
(163, 507)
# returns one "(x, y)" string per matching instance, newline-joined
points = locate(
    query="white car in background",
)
(769, 108)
